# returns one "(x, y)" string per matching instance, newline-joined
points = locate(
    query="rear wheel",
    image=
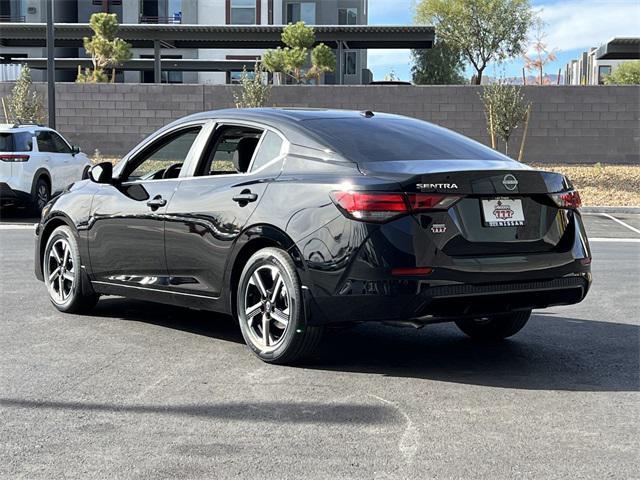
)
(41, 195)
(495, 327)
(271, 311)
(62, 274)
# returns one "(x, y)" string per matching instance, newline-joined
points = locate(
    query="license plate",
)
(503, 212)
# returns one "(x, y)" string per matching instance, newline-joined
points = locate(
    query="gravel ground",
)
(603, 185)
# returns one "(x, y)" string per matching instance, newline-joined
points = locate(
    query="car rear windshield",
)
(379, 139)
(15, 142)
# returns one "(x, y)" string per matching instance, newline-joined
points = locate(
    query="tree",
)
(440, 65)
(106, 50)
(627, 73)
(542, 55)
(24, 105)
(505, 108)
(254, 92)
(294, 60)
(391, 76)
(482, 30)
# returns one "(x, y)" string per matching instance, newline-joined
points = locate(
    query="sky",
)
(572, 27)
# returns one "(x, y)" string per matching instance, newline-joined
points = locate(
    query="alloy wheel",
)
(267, 302)
(60, 273)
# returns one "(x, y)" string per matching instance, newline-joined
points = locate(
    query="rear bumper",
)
(448, 301)
(357, 284)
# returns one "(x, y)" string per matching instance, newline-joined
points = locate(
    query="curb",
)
(610, 209)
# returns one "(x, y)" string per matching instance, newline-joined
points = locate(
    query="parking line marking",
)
(620, 222)
(619, 240)
(18, 226)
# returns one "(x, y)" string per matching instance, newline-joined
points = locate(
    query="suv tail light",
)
(383, 206)
(13, 158)
(570, 199)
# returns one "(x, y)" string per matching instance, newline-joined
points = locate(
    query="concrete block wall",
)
(569, 124)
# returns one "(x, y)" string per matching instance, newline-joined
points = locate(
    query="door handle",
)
(156, 202)
(245, 197)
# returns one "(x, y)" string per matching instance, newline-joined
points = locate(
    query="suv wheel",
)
(496, 327)
(41, 195)
(62, 273)
(271, 311)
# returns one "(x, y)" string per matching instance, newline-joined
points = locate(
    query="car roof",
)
(289, 120)
(16, 128)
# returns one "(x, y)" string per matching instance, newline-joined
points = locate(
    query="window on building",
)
(603, 70)
(305, 11)
(166, 76)
(235, 77)
(347, 16)
(243, 12)
(350, 59)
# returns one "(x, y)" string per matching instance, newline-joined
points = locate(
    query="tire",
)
(62, 273)
(494, 328)
(41, 195)
(269, 294)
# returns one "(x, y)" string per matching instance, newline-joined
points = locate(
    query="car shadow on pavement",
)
(550, 353)
(251, 412)
(17, 215)
(209, 324)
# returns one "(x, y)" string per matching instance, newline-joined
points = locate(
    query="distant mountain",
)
(549, 79)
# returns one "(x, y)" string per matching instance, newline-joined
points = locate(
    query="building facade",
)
(593, 65)
(202, 12)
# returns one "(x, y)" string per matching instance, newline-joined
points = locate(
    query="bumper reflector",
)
(408, 271)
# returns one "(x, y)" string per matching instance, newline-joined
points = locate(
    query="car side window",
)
(59, 144)
(229, 151)
(45, 141)
(269, 149)
(164, 158)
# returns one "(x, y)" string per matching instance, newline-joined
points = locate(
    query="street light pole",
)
(51, 68)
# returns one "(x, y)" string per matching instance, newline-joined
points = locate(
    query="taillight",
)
(382, 206)
(14, 158)
(570, 199)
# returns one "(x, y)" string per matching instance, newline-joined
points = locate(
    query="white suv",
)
(36, 162)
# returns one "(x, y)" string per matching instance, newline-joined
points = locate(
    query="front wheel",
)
(495, 327)
(62, 274)
(271, 311)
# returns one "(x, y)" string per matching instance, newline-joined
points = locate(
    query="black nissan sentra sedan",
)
(296, 219)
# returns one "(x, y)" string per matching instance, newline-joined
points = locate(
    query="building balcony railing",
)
(175, 19)
(9, 18)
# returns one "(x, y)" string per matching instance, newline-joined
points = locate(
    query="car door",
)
(47, 158)
(126, 230)
(209, 210)
(68, 171)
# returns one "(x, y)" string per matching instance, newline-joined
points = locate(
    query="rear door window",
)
(45, 141)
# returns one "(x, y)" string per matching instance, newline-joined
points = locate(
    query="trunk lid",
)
(504, 206)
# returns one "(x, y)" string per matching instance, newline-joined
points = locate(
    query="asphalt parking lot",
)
(139, 390)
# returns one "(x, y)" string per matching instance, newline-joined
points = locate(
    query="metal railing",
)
(175, 19)
(9, 18)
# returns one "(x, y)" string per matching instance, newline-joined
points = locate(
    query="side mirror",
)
(101, 173)
(75, 149)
